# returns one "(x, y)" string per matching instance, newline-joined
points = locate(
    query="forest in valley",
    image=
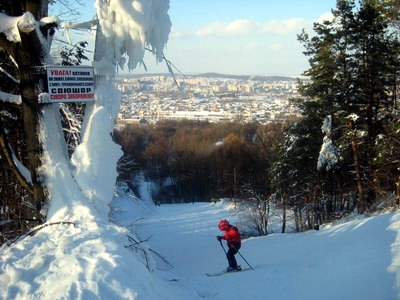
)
(197, 160)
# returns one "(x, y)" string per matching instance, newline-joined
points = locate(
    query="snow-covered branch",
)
(11, 98)
(328, 156)
(9, 26)
(83, 25)
(27, 23)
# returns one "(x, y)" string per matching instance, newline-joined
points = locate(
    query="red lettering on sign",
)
(80, 96)
(60, 72)
(57, 97)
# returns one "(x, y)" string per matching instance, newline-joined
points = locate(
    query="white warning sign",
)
(70, 84)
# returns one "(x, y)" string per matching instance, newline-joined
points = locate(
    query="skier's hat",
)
(223, 225)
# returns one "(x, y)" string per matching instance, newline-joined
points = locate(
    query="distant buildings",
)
(206, 97)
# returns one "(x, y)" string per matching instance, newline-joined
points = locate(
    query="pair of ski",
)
(226, 272)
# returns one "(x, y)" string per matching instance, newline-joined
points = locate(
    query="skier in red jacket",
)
(232, 237)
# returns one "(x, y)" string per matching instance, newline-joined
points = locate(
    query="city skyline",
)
(204, 97)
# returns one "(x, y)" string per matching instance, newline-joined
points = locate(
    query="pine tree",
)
(353, 77)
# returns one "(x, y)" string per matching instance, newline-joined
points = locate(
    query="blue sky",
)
(240, 37)
(252, 37)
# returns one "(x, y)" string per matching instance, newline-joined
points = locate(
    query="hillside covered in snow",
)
(89, 248)
(357, 259)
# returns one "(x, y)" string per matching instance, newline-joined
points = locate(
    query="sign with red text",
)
(70, 84)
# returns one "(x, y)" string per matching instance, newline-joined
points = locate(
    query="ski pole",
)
(222, 246)
(237, 252)
(245, 260)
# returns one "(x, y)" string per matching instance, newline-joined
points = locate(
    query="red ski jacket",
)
(232, 237)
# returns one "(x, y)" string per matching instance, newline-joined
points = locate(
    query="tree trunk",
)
(357, 169)
(267, 209)
(283, 214)
(398, 193)
(28, 55)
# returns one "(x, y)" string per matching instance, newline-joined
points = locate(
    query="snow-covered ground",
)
(79, 254)
(351, 260)
(357, 259)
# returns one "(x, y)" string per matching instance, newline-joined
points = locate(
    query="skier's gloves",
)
(219, 238)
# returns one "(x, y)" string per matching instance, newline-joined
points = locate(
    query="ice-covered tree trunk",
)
(125, 28)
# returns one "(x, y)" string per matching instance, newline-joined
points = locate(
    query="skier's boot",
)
(230, 269)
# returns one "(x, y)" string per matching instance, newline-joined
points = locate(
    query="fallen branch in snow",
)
(33, 231)
(135, 244)
(162, 258)
(133, 223)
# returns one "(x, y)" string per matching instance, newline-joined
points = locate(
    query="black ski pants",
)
(230, 255)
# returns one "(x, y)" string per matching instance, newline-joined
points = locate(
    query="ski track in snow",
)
(351, 260)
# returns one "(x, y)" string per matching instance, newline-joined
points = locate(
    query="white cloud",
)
(276, 47)
(285, 26)
(241, 27)
(251, 46)
(245, 27)
(236, 27)
(210, 29)
(325, 17)
(256, 46)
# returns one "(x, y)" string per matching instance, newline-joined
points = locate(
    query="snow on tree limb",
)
(27, 23)
(13, 27)
(8, 26)
(131, 25)
(328, 155)
(11, 98)
(83, 25)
